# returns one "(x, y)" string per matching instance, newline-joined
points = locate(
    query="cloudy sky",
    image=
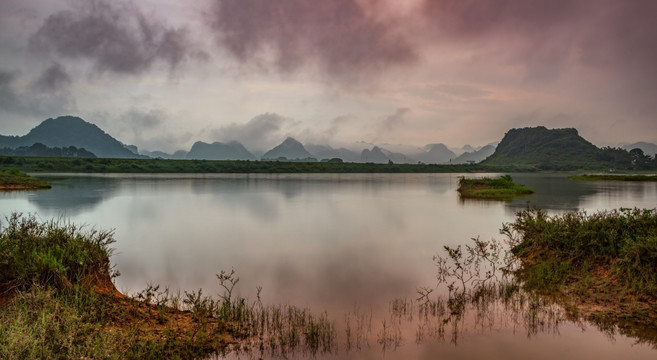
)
(162, 74)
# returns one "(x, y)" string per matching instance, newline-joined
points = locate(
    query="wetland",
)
(356, 252)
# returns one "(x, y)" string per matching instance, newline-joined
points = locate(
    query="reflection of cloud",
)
(71, 196)
(116, 37)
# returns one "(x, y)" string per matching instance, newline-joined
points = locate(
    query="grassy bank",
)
(14, 179)
(57, 301)
(614, 177)
(495, 189)
(603, 265)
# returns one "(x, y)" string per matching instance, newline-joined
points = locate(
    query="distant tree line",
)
(41, 150)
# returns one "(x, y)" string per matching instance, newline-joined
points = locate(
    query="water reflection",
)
(552, 192)
(514, 325)
(334, 242)
(74, 195)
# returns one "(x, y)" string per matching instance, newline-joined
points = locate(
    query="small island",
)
(14, 179)
(606, 177)
(502, 188)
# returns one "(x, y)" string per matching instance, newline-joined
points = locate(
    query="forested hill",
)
(66, 131)
(556, 149)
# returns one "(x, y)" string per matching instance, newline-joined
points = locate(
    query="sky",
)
(162, 74)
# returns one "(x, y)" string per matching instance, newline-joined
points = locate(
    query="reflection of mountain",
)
(72, 195)
(552, 192)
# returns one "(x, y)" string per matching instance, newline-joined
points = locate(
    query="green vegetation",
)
(563, 149)
(604, 260)
(39, 149)
(57, 301)
(495, 189)
(103, 165)
(14, 179)
(614, 177)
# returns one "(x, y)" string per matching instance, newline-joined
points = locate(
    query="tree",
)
(639, 159)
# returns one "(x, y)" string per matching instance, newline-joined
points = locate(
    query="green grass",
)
(614, 177)
(618, 248)
(15, 179)
(104, 165)
(57, 301)
(495, 189)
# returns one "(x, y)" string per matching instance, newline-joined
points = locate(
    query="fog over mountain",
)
(475, 156)
(219, 151)
(321, 152)
(164, 74)
(289, 149)
(536, 146)
(647, 148)
(375, 155)
(436, 154)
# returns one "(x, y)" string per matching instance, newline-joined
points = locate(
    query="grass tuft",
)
(14, 179)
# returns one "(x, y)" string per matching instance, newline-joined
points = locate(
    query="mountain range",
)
(536, 147)
(66, 131)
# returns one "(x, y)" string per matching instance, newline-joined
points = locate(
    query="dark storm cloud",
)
(472, 18)
(116, 36)
(54, 78)
(625, 41)
(550, 36)
(337, 35)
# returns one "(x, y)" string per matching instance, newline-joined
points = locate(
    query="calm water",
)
(327, 242)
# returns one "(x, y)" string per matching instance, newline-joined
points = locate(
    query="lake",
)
(346, 244)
